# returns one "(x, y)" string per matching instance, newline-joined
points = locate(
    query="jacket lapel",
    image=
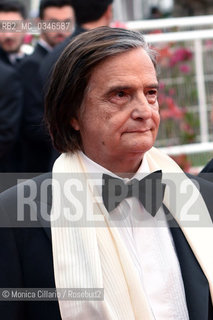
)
(44, 208)
(45, 223)
(197, 292)
(187, 206)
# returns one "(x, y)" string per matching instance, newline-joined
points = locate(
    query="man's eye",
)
(121, 94)
(151, 92)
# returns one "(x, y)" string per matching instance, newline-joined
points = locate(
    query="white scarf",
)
(95, 257)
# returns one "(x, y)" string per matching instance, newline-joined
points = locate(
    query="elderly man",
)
(123, 243)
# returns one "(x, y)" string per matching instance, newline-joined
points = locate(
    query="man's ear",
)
(75, 124)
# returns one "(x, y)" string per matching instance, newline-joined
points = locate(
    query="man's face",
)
(11, 41)
(119, 117)
(63, 17)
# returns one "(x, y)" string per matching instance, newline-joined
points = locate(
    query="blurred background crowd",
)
(27, 58)
(25, 145)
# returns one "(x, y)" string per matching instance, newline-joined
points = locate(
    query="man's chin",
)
(136, 153)
(140, 147)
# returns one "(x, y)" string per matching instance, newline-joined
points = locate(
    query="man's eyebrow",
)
(123, 87)
(153, 85)
(118, 87)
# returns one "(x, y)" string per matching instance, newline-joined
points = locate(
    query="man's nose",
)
(142, 109)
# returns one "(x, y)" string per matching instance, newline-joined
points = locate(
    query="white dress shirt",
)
(13, 57)
(150, 245)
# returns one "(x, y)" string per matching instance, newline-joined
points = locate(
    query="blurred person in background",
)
(11, 99)
(56, 11)
(155, 13)
(89, 14)
(12, 13)
(11, 40)
(39, 154)
(35, 140)
(53, 11)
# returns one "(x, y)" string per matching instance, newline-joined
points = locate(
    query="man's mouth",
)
(138, 130)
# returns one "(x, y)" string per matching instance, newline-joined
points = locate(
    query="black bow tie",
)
(149, 190)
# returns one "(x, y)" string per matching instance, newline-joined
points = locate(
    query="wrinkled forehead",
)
(124, 60)
(130, 69)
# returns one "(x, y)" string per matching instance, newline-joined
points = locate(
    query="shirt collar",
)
(96, 171)
(13, 56)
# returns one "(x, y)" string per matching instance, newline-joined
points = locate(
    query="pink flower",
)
(176, 112)
(165, 114)
(161, 85)
(28, 38)
(208, 44)
(161, 99)
(172, 111)
(185, 68)
(180, 54)
(172, 91)
(187, 128)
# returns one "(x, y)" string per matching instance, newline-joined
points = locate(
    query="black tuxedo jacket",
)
(207, 171)
(11, 99)
(36, 144)
(5, 59)
(27, 262)
(38, 152)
